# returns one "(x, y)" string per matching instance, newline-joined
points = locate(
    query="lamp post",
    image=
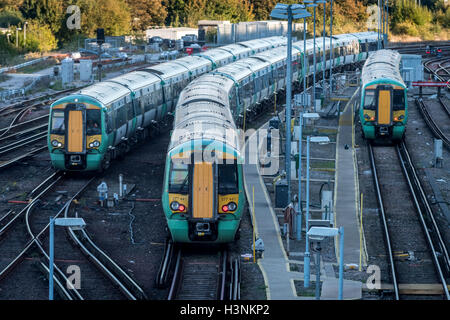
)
(313, 4)
(320, 140)
(331, 47)
(75, 223)
(324, 2)
(311, 116)
(17, 36)
(289, 12)
(25, 34)
(318, 234)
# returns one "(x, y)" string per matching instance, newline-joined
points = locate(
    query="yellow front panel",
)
(384, 107)
(75, 131)
(203, 186)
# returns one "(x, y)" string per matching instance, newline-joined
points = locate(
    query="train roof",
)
(192, 62)
(382, 64)
(137, 80)
(203, 113)
(105, 92)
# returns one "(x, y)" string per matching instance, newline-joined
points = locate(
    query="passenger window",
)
(109, 122)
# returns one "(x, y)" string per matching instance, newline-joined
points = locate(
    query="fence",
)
(25, 64)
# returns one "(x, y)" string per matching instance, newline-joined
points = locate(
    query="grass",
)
(38, 66)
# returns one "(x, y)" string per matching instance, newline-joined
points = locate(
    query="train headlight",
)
(94, 144)
(174, 206)
(232, 206)
(56, 144)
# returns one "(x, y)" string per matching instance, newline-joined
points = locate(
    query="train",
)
(203, 195)
(383, 107)
(101, 122)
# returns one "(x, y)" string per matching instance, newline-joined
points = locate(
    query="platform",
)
(346, 199)
(274, 263)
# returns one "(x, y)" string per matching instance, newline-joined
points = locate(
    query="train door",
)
(203, 195)
(75, 129)
(384, 105)
(130, 116)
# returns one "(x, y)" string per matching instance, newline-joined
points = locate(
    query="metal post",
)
(304, 61)
(387, 19)
(318, 274)
(379, 22)
(341, 263)
(51, 245)
(288, 103)
(299, 212)
(17, 37)
(314, 62)
(307, 255)
(324, 66)
(331, 48)
(25, 34)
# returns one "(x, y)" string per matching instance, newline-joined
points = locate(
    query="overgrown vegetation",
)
(47, 20)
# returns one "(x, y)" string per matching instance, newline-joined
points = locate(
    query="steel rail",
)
(20, 133)
(106, 265)
(23, 123)
(7, 163)
(387, 237)
(437, 132)
(419, 196)
(22, 143)
(74, 293)
(444, 106)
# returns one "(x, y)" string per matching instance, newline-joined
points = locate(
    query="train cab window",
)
(179, 178)
(399, 100)
(228, 179)
(58, 125)
(369, 100)
(93, 121)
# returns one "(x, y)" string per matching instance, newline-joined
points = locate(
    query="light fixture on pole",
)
(310, 116)
(74, 223)
(318, 234)
(320, 140)
(289, 12)
(313, 4)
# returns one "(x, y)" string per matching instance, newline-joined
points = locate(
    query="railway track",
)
(112, 283)
(199, 275)
(440, 68)
(437, 121)
(416, 251)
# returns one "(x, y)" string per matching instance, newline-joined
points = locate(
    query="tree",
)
(39, 37)
(49, 12)
(112, 15)
(146, 13)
